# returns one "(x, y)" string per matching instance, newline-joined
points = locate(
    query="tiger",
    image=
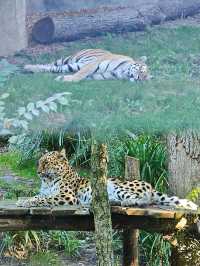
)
(95, 64)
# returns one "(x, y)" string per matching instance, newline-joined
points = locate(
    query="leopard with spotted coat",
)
(61, 185)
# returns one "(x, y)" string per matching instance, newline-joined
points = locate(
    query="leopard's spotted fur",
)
(61, 185)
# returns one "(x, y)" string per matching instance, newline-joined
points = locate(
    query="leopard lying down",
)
(61, 185)
(95, 64)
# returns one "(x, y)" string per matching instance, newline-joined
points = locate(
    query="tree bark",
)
(184, 162)
(71, 27)
(136, 16)
(184, 175)
(101, 206)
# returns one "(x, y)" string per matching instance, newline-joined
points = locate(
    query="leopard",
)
(62, 185)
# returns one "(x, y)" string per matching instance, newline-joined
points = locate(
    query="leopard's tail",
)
(164, 200)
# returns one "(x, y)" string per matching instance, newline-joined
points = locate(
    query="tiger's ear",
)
(63, 153)
(143, 59)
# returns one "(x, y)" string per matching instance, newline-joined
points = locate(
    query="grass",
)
(10, 165)
(47, 258)
(11, 161)
(170, 100)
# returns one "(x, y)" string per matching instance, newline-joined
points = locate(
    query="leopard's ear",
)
(42, 152)
(63, 153)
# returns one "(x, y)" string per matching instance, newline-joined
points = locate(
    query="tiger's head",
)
(138, 70)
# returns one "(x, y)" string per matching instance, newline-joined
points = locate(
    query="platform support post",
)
(130, 236)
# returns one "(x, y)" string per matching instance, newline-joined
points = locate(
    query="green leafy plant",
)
(154, 250)
(26, 114)
(20, 244)
(47, 258)
(194, 195)
(65, 240)
(152, 155)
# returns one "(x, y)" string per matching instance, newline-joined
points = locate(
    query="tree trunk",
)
(134, 16)
(100, 206)
(184, 175)
(184, 162)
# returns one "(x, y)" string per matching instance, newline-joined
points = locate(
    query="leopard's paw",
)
(26, 203)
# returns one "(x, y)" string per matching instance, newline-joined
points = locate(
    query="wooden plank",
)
(86, 223)
(69, 210)
(145, 212)
(9, 207)
(40, 211)
(151, 212)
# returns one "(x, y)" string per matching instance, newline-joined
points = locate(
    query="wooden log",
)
(130, 236)
(70, 26)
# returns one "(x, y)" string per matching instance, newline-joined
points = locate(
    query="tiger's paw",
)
(65, 78)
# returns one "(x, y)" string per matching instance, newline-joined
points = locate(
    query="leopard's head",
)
(138, 70)
(52, 165)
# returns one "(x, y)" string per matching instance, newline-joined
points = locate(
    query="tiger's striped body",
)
(95, 64)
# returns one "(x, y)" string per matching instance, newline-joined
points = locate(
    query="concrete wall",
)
(12, 26)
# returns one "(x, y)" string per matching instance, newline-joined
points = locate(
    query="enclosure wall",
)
(12, 26)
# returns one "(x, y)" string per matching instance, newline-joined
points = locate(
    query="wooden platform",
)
(13, 218)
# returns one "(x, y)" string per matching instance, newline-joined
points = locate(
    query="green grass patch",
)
(47, 258)
(11, 161)
(169, 101)
(171, 54)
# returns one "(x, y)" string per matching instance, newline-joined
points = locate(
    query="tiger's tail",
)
(48, 68)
